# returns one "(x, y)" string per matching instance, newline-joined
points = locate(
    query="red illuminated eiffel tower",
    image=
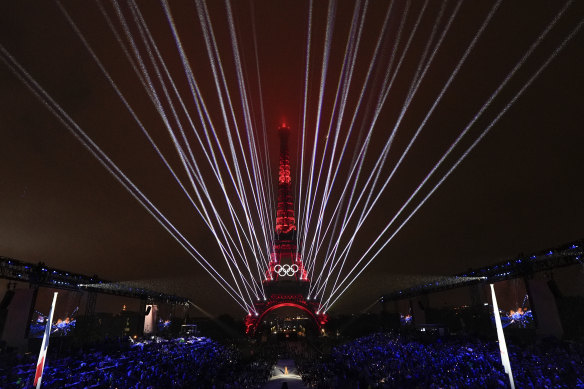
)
(286, 283)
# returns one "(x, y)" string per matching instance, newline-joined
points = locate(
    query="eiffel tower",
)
(286, 281)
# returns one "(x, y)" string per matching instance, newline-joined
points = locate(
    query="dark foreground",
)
(382, 360)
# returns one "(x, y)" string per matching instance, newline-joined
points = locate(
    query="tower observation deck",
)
(286, 281)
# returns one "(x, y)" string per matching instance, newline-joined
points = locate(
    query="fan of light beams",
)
(220, 135)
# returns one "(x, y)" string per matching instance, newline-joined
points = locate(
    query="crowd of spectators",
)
(381, 360)
(179, 363)
(386, 360)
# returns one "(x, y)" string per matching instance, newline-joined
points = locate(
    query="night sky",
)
(520, 190)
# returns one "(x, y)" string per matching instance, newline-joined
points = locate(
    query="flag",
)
(501, 336)
(45, 345)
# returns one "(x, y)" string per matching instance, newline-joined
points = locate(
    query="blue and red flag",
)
(43, 354)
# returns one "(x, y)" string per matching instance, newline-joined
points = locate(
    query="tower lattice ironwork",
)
(286, 281)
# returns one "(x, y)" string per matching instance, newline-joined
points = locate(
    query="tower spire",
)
(285, 254)
(285, 221)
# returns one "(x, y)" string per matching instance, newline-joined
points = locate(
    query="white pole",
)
(501, 336)
(45, 345)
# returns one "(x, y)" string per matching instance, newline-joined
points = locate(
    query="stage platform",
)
(279, 376)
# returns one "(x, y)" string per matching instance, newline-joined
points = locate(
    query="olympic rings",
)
(286, 270)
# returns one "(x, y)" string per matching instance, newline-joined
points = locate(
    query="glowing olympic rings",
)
(286, 270)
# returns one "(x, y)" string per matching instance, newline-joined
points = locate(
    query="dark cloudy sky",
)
(519, 190)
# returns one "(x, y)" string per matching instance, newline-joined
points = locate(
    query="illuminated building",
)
(286, 281)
